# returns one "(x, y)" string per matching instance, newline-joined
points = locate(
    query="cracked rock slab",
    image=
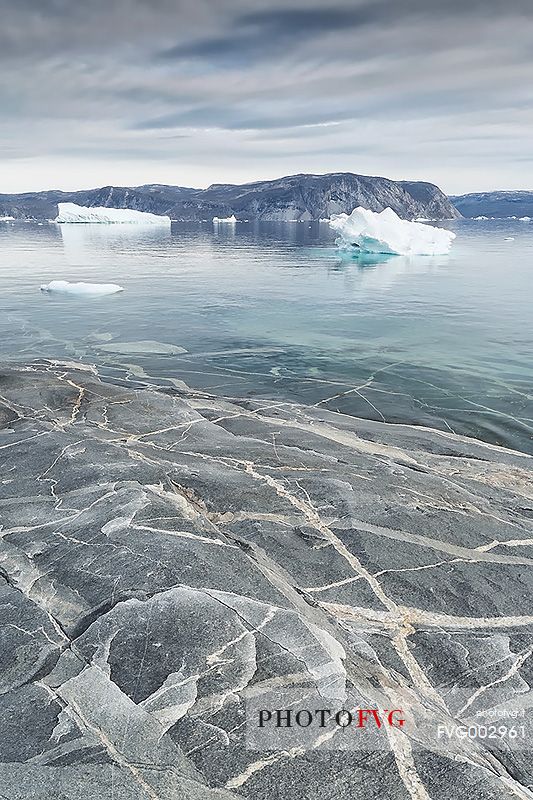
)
(169, 560)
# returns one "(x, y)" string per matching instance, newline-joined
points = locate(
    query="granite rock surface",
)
(170, 560)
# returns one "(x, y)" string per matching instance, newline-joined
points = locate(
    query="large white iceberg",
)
(384, 232)
(70, 212)
(64, 287)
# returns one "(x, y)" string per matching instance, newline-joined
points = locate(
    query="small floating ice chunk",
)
(524, 219)
(480, 218)
(100, 337)
(370, 232)
(64, 287)
(230, 220)
(143, 348)
(509, 239)
(72, 213)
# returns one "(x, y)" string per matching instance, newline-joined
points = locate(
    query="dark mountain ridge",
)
(495, 204)
(295, 197)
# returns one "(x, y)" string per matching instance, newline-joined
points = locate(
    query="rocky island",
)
(494, 204)
(292, 198)
(170, 558)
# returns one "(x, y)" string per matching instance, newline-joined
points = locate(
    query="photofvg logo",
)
(320, 717)
(301, 719)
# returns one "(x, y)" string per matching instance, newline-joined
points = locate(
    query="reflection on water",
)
(275, 310)
(82, 239)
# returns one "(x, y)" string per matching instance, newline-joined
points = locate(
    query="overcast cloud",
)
(192, 92)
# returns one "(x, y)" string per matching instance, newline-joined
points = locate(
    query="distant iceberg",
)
(70, 212)
(384, 232)
(524, 219)
(64, 287)
(231, 220)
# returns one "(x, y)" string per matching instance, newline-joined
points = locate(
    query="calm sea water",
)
(273, 310)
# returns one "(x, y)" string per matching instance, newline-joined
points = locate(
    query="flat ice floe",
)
(92, 289)
(70, 212)
(147, 347)
(384, 232)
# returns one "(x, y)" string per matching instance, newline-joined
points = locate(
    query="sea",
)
(275, 310)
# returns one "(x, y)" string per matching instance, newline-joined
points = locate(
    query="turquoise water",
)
(273, 310)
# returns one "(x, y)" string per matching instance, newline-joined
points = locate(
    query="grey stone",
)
(169, 561)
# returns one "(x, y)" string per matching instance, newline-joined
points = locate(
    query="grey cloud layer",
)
(265, 34)
(226, 90)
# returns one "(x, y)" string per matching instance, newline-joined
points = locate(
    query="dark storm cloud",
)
(264, 33)
(218, 88)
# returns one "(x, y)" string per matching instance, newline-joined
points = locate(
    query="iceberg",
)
(231, 220)
(64, 287)
(384, 232)
(70, 212)
(524, 219)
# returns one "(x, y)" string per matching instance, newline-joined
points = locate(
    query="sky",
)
(193, 92)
